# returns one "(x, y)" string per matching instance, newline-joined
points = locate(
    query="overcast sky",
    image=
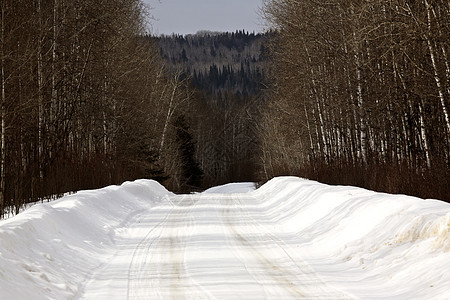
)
(190, 16)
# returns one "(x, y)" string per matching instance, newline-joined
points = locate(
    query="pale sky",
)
(190, 16)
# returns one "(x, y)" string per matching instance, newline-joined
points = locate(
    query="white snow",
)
(232, 188)
(290, 239)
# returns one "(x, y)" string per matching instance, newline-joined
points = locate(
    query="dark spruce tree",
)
(191, 171)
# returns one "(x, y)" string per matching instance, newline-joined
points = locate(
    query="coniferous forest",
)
(225, 66)
(227, 72)
(341, 92)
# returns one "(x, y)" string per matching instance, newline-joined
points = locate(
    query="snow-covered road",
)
(207, 246)
(290, 239)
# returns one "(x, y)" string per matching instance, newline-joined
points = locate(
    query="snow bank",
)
(372, 245)
(47, 251)
(232, 188)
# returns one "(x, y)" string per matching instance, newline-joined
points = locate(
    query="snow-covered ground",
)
(289, 239)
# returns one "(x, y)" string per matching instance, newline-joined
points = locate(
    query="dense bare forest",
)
(85, 100)
(343, 92)
(360, 94)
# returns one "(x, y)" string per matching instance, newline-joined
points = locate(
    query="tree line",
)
(360, 94)
(86, 101)
(225, 82)
(227, 71)
(225, 66)
(354, 93)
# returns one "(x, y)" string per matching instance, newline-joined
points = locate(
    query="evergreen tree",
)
(191, 171)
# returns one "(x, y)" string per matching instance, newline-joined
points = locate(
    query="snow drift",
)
(367, 245)
(50, 250)
(371, 245)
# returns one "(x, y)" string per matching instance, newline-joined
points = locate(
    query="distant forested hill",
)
(226, 72)
(222, 65)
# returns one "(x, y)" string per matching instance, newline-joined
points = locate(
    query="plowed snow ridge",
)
(289, 239)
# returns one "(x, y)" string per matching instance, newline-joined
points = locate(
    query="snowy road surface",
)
(290, 239)
(214, 246)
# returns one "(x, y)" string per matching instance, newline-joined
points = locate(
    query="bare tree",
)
(364, 77)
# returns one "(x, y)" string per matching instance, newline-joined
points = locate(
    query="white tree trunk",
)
(437, 79)
(308, 126)
(170, 111)
(423, 135)
(54, 62)
(3, 115)
(40, 79)
(359, 96)
(319, 110)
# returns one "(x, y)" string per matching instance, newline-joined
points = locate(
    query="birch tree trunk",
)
(360, 105)
(3, 112)
(54, 95)
(437, 79)
(169, 113)
(423, 135)
(40, 82)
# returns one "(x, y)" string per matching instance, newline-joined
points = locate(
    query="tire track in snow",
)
(289, 271)
(177, 245)
(131, 218)
(213, 264)
(283, 277)
(209, 246)
(310, 282)
(140, 255)
(157, 268)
